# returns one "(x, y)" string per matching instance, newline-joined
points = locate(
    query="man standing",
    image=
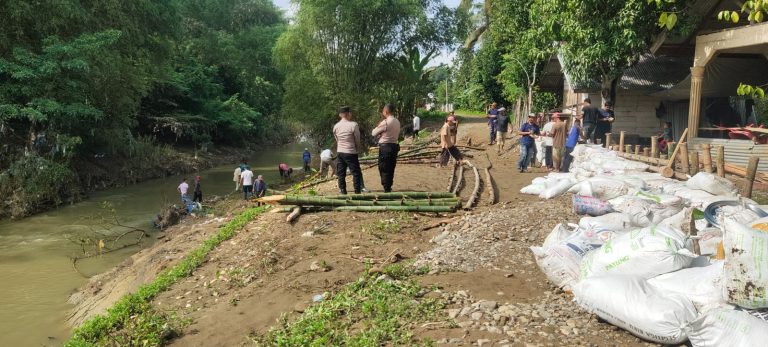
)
(307, 159)
(454, 127)
(570, 144)
(604, 122)
(559, 131)
(387, 133)
(527, 131)
(246, 180)
(546, 134)
(591, 115)
(183, 188)
(198, 197)
(348, 145)
(236, 177)
(502, 127)
(492, 116)
(416, 126)
(447, 145)
(326, 161)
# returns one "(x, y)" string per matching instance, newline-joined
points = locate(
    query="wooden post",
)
(706, 158)
(628, 149)
(654, 146)
(637, 149)
(684, 163)
(751, 171)
(599, 141)
(607, 140)
(646, 151)
(621, 140)
(693, 157)
(720, 161)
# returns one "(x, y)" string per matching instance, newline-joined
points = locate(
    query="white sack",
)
(745, 275)
(534, 188)
(612, 221)
(709, 239)
(647, 253)
(712, 183)
(644, 212)
(603, 188)
(701, 285)
(727, 327)
(631, 303)
(558, 189)
(559, 234)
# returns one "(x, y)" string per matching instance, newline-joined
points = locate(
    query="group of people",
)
(253, 187)
(183, 189)
(498, 125)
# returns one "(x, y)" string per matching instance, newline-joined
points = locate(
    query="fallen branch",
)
(476, 191)
(295, 212)
(459, 180)
(490, 185)
(440, 223)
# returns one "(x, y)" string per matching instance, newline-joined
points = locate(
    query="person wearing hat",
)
(447, 145)
(307, 159)
(527, 145)
(348, 145)
(198, 197)
(259, 188)
(387, 132)
(559, 132)
(502, 127)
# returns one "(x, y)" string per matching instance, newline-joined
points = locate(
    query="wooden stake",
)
(628, 148)
(621, 140)
(608, 140)
(684, 163)
(693, 157)
(669, 171)
(706, 158)
(637, 149)
(721, 161)
(646, 152)
(654, 146)
(751, 171)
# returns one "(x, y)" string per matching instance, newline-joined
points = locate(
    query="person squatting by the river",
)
(527, 146)
(348, 145)
(285, 171)
(492, 116)
(307, 158)
(246, 180)
(387, 133)
(198, 197)
(183, 188)
(446, 143)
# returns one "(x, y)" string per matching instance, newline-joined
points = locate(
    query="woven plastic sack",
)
(712, 184)
(590, 206)
(745, 275)
(701, 285)
(727, 327)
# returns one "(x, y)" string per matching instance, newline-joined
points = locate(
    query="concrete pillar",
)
(694, 108)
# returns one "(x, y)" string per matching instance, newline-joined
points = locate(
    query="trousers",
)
(527, 153)
(344, 161)
(387, 162)
(567, 160)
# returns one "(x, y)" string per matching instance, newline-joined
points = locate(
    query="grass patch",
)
(132, 321)
(469, 113)
(372, 311)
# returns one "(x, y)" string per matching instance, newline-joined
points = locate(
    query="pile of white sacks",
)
(629, 262)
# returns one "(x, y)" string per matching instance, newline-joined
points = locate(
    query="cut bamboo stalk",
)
(380, 208)
(490, 185)
(394, 195)
(476, 191)
(693, 157)
(637, 149)
(608, 140)
(742, 172)
(706, 158)
(751, 171)
(675, 174)
(319, 201)
(646, 152)
(621, 140)
(451, 179)
(720, 161)
(459, 180)
(647, 160)
(684, 160)
(669, 171)
(655, 146)
(293, 215)
(627, 148)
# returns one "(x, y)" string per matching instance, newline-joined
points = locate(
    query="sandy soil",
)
(263, 273)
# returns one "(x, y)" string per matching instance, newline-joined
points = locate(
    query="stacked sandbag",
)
(728, 327)
(712, 184)
(701, 285)
(745, 275)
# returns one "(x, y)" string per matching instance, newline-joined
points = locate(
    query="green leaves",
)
(732, 16)
(667, 20)
(754, 92)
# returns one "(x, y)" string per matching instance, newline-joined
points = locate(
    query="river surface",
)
(36, 274)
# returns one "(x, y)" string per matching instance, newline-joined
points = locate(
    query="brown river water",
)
(36, 274)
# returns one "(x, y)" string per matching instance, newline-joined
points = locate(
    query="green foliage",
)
(36, 181)
(368, 312)
(436, 115)
(544, 102)
(132, 320)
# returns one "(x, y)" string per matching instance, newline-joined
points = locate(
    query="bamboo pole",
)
(490, 185)
(693, 157)
(720, 161)
(706, 158)
(647, 160)
(637, 149)
(396, 195)
(654, 146)
(628, 148)
(742, 172)
(295, 212)
(646, 152)
(675, 174)
(320, 201)
(621, 140)
(381, 208)
(608, 140)
(451, 179)
(476, 191)
(751, 171)
(459, 180)
(684, 162)
(669, 171)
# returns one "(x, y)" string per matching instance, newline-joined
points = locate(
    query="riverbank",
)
(100, 173)
(472, 281)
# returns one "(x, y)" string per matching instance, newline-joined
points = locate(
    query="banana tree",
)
(413, 77)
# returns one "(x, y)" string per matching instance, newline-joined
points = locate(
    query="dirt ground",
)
(264, 272)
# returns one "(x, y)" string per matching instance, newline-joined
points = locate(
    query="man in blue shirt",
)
(307, 158)
(527, 145)
(492, 116)
(570, 144)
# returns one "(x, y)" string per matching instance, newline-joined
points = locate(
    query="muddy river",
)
(36, 273)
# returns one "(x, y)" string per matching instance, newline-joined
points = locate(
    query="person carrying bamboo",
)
(387, 133)
(348, 145)
(447, 145)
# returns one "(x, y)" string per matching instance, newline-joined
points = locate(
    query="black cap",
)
(344, 109)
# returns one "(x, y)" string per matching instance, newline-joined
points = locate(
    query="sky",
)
(445, 57)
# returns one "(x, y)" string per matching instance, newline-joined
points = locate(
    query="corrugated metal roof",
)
(650, 73)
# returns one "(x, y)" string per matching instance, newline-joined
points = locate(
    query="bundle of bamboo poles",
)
(369, 202)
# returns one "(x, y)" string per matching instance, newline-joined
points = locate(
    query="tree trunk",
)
(608, 89)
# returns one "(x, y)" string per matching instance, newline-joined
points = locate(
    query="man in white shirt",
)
(183, 188)
(326, 161)
(416, 126)
(546, 133)
(246, 179)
